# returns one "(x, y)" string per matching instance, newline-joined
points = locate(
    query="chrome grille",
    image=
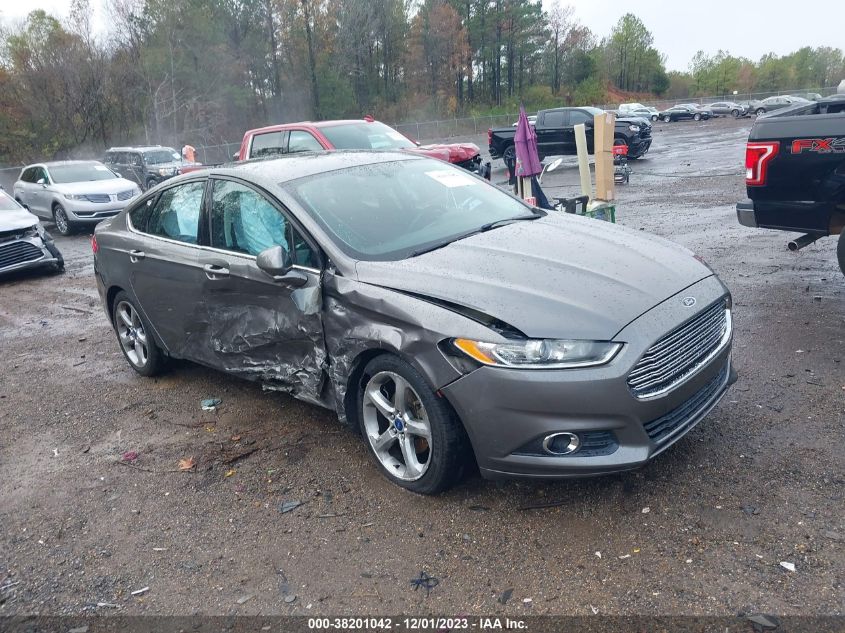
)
(17, 253)
(681, 353)
(125, 195)
(97, 197)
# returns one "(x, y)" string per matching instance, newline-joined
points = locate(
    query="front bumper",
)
(505, 411)
(83, 212)
(25, 253)
(639, 148)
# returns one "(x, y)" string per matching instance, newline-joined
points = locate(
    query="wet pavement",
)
(702, 529)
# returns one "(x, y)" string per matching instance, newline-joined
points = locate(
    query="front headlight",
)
(166, 171)
(75, 196)
(540, 353)
(634, 128)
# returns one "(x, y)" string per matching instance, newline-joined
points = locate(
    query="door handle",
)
(136, 256)
(213, 271)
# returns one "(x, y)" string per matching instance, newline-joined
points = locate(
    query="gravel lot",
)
(700, 530)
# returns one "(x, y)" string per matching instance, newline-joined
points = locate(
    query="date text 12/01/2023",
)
(416, 624)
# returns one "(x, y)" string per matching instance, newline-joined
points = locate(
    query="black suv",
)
(147, 166)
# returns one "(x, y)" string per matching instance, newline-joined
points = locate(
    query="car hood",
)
(556, 277)
(452, 152)
(113, 186)
(16, 220)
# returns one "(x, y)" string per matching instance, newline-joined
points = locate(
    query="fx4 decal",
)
(819, 145)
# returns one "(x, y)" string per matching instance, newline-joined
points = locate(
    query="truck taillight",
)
(489, 136)
(94, 246)
(757, 159)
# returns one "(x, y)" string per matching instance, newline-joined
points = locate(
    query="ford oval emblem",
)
(688, 302)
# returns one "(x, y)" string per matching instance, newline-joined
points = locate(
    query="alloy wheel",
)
(397, 426)
(62, 223)
(131, 333)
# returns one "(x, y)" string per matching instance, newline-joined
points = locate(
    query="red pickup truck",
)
(366, 133)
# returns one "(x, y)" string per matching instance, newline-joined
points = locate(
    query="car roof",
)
(139, 148)
(309, 124)
(302, 164)
(59, 163)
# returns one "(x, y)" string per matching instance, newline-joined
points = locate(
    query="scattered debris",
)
(598, 554)
(646, 510)
(624, 556)
(72, 309)
(187, 463)
(751, 510)
(244, 599)
(159, 549)
(762, 622)
(130, 456)
(235, 438)
(230, 472)
(833, 536)
(425, 581)
(290, 598)
(527, 601)
(55, 452)
(787, 566)
(210, 404)
(506, 595)
(139, 592)
(289, 506)
(479, 508)
(594, 610)
(107, 605)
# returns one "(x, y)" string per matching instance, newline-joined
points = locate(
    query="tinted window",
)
(269, 144)
(133, 159)
(388, 211)
(555, 118)
(244, 221)
(26, 174)
(302, 142)
(372, 135)
(80, 173)
(577, 116)
(176, 214)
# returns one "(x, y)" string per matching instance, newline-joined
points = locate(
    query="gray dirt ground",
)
(758, 482)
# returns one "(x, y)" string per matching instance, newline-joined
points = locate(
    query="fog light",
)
(561, 443)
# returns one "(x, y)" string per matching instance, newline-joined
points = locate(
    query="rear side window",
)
(176, 214)
(269, 144)
(555, 119)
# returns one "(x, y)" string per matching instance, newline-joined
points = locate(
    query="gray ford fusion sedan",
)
(439, 315)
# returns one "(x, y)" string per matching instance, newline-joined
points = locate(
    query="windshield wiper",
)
(481, 229)
(506, 221)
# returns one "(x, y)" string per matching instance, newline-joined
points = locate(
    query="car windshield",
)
(80, 173)
(394, 210)
(7, 203)
(157, 157)
(365, 135)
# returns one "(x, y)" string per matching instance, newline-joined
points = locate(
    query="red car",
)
(351, 134)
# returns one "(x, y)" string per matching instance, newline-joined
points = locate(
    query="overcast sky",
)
(680, 27)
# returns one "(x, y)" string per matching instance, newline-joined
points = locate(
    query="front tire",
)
(134, 335)
(510, 154)
(60, 219)
(735, 113)
(654, 118)
(667, 119)
(410, 431)
(151, 182)
(760, 111)
(697, 117)
(840, 251)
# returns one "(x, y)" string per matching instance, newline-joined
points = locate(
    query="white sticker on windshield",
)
(100, 168)
(450, 178)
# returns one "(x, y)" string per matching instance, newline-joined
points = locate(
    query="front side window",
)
(244, 221)
(577, 116)
(303, 142)
(555, 119)
(176, 214)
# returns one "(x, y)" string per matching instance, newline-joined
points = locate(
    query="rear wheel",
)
(667, 119)
(735, 113)
(135, 338)
(411, 432)
(654, 118)
(697, 117)
(149, 184)
(510, 154)
(61, 221)
(840, 251)
(760, 111)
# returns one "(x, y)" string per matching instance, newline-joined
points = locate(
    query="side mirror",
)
(41, 181)
(236, 156)
(555, 164)
(275, 261)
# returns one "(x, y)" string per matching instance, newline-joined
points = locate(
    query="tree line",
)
(203, 71)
